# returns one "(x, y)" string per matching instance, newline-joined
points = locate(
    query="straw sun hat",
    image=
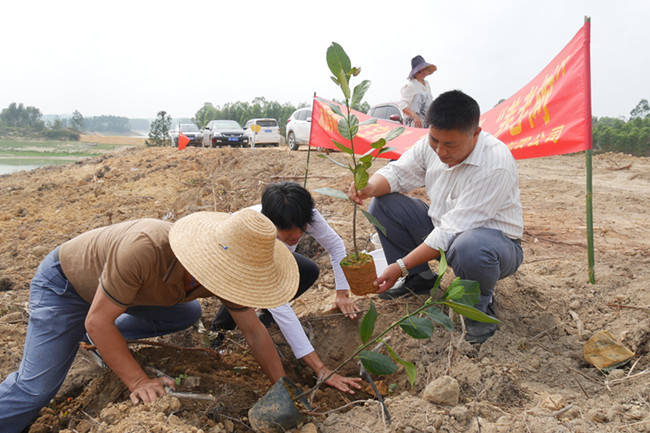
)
(237, 257)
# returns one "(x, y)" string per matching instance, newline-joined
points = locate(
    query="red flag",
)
(182, 141)
(552, 114)
(549, 116)
(324, 129)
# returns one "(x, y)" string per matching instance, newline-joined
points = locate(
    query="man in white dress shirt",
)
(291, 209)
(474, 214)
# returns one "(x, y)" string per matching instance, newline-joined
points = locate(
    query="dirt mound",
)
(530, 377)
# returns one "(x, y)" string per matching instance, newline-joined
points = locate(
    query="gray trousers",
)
(482, 254)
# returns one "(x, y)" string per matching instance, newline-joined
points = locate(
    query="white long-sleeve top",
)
(284, 315)
(481, 191)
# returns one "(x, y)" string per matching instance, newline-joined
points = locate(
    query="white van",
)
(263, 132)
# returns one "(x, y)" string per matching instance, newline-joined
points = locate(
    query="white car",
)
(263, 132)
(299, 128)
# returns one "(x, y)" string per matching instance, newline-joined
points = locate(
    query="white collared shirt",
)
(284, 315)
(481, 191)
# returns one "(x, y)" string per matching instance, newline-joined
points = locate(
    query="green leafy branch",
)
(460, 296)
(348, 127)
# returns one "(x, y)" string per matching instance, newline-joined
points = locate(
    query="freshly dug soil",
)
(529, 377)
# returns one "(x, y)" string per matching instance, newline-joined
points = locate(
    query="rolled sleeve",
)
(408, 172)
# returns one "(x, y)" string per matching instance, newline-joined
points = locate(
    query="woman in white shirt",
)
(291, 209)
(416, 93)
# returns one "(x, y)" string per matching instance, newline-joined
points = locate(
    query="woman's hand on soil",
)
(342, 383)
(148, 391)
(345, 304)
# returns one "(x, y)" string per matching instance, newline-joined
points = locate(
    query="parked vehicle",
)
(299, 128)
(388, 111)
(189, 130)
(263, 132)
(224, 133)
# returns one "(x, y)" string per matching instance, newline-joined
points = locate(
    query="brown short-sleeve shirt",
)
(132, 262)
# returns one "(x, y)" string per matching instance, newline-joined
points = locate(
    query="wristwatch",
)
(402, 267)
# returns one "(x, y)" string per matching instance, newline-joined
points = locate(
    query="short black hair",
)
(454, 110)
(287, 205)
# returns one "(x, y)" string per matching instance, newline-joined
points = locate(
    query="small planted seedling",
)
(358, 267)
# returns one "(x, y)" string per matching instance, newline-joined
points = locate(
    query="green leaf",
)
(332, 192)
(359, 92)
(375, 222)
(367, 157)
(455, 290)
(394, 133)
(368, 323)
(339, 63)
(378, 144)
(470, 312)
(442, 268)
(409, 367)
(417, 327)
(377, 363)
(370, 121)
(320, 155)
(337, 60)
(342, 147)
(472, 292)
(385, 149)
(435, 314)
(348, 130)
(335, 108)
(360, 177)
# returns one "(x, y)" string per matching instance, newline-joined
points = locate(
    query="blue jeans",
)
(56, 326)
(482, 254)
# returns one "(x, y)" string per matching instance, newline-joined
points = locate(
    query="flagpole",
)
(304, 185)
(588, 165)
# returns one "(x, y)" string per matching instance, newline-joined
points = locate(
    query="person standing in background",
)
(416, 94)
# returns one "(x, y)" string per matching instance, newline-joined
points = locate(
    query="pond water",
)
(8, 166)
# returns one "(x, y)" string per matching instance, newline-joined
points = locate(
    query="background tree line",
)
(617, 135)
(244, 111)
(18, 120)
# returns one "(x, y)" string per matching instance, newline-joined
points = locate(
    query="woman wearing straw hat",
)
(416, 93)
(140, 279)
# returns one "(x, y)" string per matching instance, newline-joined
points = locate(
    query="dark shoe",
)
(479, 332)
(266, 318)
(418, 284)
(222, 321)
(218, 341)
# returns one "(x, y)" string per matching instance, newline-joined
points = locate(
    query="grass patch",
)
(53, 148)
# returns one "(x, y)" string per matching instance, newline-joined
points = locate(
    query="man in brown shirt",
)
(140, 279)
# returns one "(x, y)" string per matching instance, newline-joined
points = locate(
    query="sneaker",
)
(418, 284)
(479, 332)
(93, 354)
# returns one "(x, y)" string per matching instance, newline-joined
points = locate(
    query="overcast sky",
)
(135, 58)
